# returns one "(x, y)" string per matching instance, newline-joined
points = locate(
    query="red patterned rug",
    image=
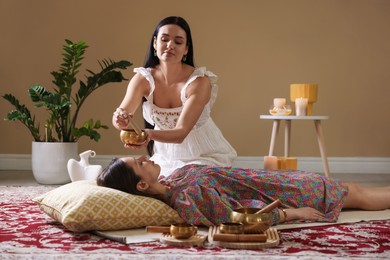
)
(27, 233)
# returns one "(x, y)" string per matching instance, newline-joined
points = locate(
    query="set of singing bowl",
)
(253, 223)
(231, 228)
(130, 137)
(183, 230)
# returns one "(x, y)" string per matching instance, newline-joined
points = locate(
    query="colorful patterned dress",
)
(205, 195)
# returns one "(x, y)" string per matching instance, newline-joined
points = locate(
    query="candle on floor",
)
(287, 163)
(271, 163)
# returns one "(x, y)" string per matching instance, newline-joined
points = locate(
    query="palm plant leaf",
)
(66, 76)
(59, 102)
(22, 114)
(108, 74)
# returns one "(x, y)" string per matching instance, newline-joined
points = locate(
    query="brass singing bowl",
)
(253, 223)
(130, 137)
(183, 230)
(231, 228)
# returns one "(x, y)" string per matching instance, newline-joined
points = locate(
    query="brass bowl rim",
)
(239, 211)
(231, 227)
(183, 230)
(182, 225)
(251, 220)
(129, 130)
(129, 136)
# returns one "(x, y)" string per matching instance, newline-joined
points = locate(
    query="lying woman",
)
(206, 195)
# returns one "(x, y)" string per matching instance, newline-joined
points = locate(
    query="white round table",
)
(320, 136)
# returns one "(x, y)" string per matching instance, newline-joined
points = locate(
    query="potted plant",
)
(63, 105)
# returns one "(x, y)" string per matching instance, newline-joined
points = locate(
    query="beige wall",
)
(256, 47)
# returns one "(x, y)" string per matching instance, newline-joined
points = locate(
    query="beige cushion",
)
(82, 206)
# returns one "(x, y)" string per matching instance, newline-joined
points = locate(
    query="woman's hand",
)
(121, 118)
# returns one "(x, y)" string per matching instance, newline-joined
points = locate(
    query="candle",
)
(301, 106)
(279, 102)
(287, 163)
(271, 163)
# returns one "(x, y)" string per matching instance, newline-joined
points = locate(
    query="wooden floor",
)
(26, 178)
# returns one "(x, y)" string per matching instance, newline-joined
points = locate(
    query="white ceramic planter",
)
(49, 161)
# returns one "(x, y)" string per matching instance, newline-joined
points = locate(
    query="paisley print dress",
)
(206, 195)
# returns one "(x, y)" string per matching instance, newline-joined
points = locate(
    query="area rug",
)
(27, 233)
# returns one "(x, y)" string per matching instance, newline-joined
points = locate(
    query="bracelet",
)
(122, 113)
(284, 214)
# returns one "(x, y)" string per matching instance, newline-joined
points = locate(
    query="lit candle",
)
(301, 106)
(279, 102)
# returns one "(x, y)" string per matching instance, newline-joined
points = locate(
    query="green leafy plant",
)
(60, 125)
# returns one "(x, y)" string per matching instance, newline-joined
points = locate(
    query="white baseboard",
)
(367, 165)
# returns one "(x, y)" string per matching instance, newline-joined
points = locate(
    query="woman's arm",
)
(137, 88)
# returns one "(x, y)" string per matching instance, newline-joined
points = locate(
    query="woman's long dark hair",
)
(117, 175)
(152, 61)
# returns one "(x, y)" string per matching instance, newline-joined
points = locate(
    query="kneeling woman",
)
(206, 195)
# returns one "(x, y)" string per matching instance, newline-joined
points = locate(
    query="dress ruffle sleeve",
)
(202, 72)
(148, 75)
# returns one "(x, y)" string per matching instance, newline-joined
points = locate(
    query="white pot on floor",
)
(49, 161)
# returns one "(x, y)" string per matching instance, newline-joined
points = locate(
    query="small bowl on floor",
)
(231, 228)
(253, 223)
(183, 230)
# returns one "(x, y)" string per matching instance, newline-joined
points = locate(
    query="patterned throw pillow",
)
(83, 206)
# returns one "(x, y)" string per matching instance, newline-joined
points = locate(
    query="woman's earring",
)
(184, 58)
(155, 53)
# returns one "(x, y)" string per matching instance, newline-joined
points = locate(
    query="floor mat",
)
(346, 216)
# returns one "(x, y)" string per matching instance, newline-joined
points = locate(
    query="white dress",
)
(205, 144)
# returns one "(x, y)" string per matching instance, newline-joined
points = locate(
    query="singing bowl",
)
(129, 136)
(183, 230)
(253, 223)
(231, 228)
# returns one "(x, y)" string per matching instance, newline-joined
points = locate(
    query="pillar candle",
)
(287, 163)
(301, 106)
(279, 102)
(271, 163)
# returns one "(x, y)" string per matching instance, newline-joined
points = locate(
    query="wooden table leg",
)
(275, 129)
(321, 144)
(287, 134)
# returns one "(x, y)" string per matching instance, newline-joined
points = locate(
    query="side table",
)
(287, 133)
